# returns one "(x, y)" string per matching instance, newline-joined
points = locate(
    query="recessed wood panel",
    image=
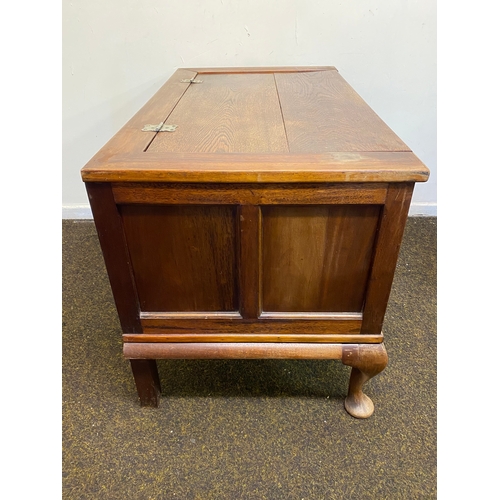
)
(183, 257)
(317, 258)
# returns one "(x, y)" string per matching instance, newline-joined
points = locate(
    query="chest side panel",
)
(253, 263)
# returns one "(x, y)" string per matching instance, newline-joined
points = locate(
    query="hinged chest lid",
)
(256, 125)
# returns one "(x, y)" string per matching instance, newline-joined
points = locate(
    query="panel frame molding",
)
(248, 199)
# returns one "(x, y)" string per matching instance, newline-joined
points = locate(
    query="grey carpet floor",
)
(247, 429)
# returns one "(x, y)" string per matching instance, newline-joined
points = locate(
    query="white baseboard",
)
(84, 212)
(423, 210)
(76, 212)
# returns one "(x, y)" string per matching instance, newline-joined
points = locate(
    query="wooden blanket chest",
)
(253, 213)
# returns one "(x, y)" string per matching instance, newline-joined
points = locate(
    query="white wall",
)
(117, 53)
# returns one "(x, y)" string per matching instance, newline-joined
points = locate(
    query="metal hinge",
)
(161, 127)
(191, 80)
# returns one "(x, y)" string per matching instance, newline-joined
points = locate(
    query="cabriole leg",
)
(366, 360)
(147, 381)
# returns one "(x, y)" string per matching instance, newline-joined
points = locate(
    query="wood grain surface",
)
(250, 260)
(317, 258)
(249, 194)
(235, 127)
(259, 168)
(147, 381)
(267, 225)
(324, 338)
(322, 113)
(366, 361)
(183, 256)
(390, 235)
(109, 228)
(226, 113)
(209, 350)
(289, 326)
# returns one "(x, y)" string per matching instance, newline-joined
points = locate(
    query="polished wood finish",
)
(183, 257)
(116, 257)
(250, 261)
(252, 325)
(267, 225)
(243, 167)
(390, 235)
(242, 335)
(147, 381)
(307, 251)
(322, 112)
(277, 324)
(239, 350)
(226, 113)
(305, 125)
(249, 194)
(366, 361)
